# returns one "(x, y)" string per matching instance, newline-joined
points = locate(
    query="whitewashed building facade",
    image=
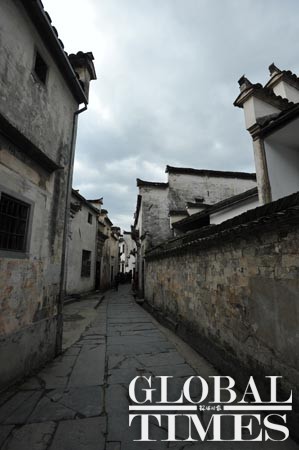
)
(81, 248)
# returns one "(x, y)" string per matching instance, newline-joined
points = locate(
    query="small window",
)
(40, 68)
(86, 263)
(14, 220)
(89, 218)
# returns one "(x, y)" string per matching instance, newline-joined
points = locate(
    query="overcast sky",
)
(167, 77)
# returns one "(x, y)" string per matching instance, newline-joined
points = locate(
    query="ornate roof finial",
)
(273, 69)
(244, 83)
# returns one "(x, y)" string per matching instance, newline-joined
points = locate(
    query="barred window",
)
(14, 220)
(86, 263)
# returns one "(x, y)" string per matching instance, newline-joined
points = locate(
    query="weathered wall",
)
(153, 225)
(186, 187)
(157, 202)
(236, 300)
(154, 214)
(41, 113)
(109, 260)
(82, 236)
(30, 284)
(154, 222)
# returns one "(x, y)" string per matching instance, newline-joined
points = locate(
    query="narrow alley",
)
(80, 400)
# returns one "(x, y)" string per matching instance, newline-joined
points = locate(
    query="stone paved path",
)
(80, 401)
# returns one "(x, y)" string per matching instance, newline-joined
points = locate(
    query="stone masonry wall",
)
(236, 301)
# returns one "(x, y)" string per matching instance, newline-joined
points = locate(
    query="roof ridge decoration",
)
(278, 75)
(264, 93)
(87, 57)
(286, 110)
(273, 69)
(86, 202)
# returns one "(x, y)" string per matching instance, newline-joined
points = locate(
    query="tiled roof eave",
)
(48, 34)
(265, 94)
(269, 216)
(210, 172)
(274, 123)
(228, 235)
(228, 202)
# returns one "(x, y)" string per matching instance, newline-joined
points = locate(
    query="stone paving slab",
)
(125, 376)
(173, 370)
(86, 401)
(72, 351)
(130, 341)
(48, 410)
(130, 327)
(6, 395)
(113, 446)
(57, 373)
(80, 401)
(21, 414)
(137, 348)
(84, 434)
(161, 359)
(35, 436)
(14, 404)
(89, 369)
(4, 432)
(77, 316)
(122, 362)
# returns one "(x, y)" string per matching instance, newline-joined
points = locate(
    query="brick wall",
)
(235, 300)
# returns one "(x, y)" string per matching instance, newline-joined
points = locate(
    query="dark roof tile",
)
(142, 183)
(269, 216)
(210, 173)
(43, 23)
(197, 218)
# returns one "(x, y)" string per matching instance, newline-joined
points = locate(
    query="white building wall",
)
(233, 211)
(255, 108)
(154, 210)
(128, 246)
(186, 187)
(283, 169)
(286, 91)
(154, 223)
(176, 218)
(82, 237)
(131, 264)
(44, 113)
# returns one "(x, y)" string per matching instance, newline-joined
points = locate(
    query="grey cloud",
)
(167, 78)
